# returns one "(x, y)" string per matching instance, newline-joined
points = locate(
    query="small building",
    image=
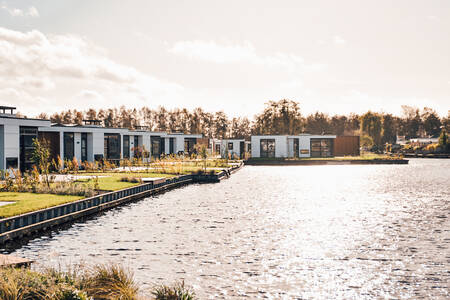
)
(214, 146)
(16, 139)
(84, 142)
(234, 147)
(286, 146)
(88, 142)
(180, 143)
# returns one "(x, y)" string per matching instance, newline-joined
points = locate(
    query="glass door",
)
(267, 147)
(296, 147)
(84, 147)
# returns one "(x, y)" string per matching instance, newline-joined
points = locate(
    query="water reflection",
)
(319, 232)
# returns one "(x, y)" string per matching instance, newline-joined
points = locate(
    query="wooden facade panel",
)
(346, 145)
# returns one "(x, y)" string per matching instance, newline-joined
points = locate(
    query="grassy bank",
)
(363, 156)
(30, 192)
(24, 202)
(106, 282)
(27, 202)
(110, 181)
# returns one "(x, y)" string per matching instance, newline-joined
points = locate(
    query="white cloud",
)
(33, 12)
(339, 40)
(211, 51)
(64, 65)
(17, 12)
(89, 95)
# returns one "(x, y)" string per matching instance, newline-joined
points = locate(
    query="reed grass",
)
(98, 282)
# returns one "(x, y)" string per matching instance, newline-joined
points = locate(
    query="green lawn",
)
(27, 202)
(112, 181)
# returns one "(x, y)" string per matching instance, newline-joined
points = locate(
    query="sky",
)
(337, 57)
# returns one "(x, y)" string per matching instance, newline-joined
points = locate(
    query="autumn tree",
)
(371, 125)
(431, 122)
(318, 123)
(389, 133)
(411, 122)
(220, 124)
(279, 117)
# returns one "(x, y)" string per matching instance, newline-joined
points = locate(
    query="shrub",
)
(131, 179)
(111, 282)
(105, 282)
(24, 284)
(176, 292)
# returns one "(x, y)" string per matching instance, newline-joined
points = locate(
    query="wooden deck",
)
(14, 262)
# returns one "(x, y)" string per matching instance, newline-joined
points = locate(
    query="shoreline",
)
(312, 162)
(35, 222)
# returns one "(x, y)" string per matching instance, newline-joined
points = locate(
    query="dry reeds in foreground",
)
(99, 282)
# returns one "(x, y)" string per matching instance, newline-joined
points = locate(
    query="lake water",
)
(291, 232)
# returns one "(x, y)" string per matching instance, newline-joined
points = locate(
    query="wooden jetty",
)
(9, 261)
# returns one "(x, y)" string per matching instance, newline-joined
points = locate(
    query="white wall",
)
(167, 145)
(12, 141)
(179, 144)
(98, 143)
(77, 145)
(90, 147)
(11, 136)
(304, 143)
(290, 151)
(236, 147)
(281, 145)
(146, 142)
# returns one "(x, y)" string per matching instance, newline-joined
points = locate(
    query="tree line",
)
(278, 117)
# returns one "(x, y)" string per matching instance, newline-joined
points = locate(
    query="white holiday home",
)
(289, 146)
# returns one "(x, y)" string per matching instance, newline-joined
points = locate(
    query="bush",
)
(176, 292)
(18, 284)
(111, 282)
(131, 179)
(98, 282)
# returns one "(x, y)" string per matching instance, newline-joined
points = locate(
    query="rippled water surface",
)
(304, 232)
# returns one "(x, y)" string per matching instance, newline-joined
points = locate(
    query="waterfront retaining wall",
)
(307, 162)
(26, 224)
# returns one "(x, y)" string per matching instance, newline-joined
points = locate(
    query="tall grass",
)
(179, 291)
(111, 282)
(99, 282)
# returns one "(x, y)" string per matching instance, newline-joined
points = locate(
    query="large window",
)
(137, 150)
(241, 149)
(84, 147)
(69, 145)
(112, 146)
(27, 135)
(171, 145)
(321, 147)
(296, 147)
(126, 146)
(267, 147)
(156, 146)
(189, 144)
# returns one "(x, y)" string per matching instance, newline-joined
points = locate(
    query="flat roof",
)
(7, 107)
(19, 118)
